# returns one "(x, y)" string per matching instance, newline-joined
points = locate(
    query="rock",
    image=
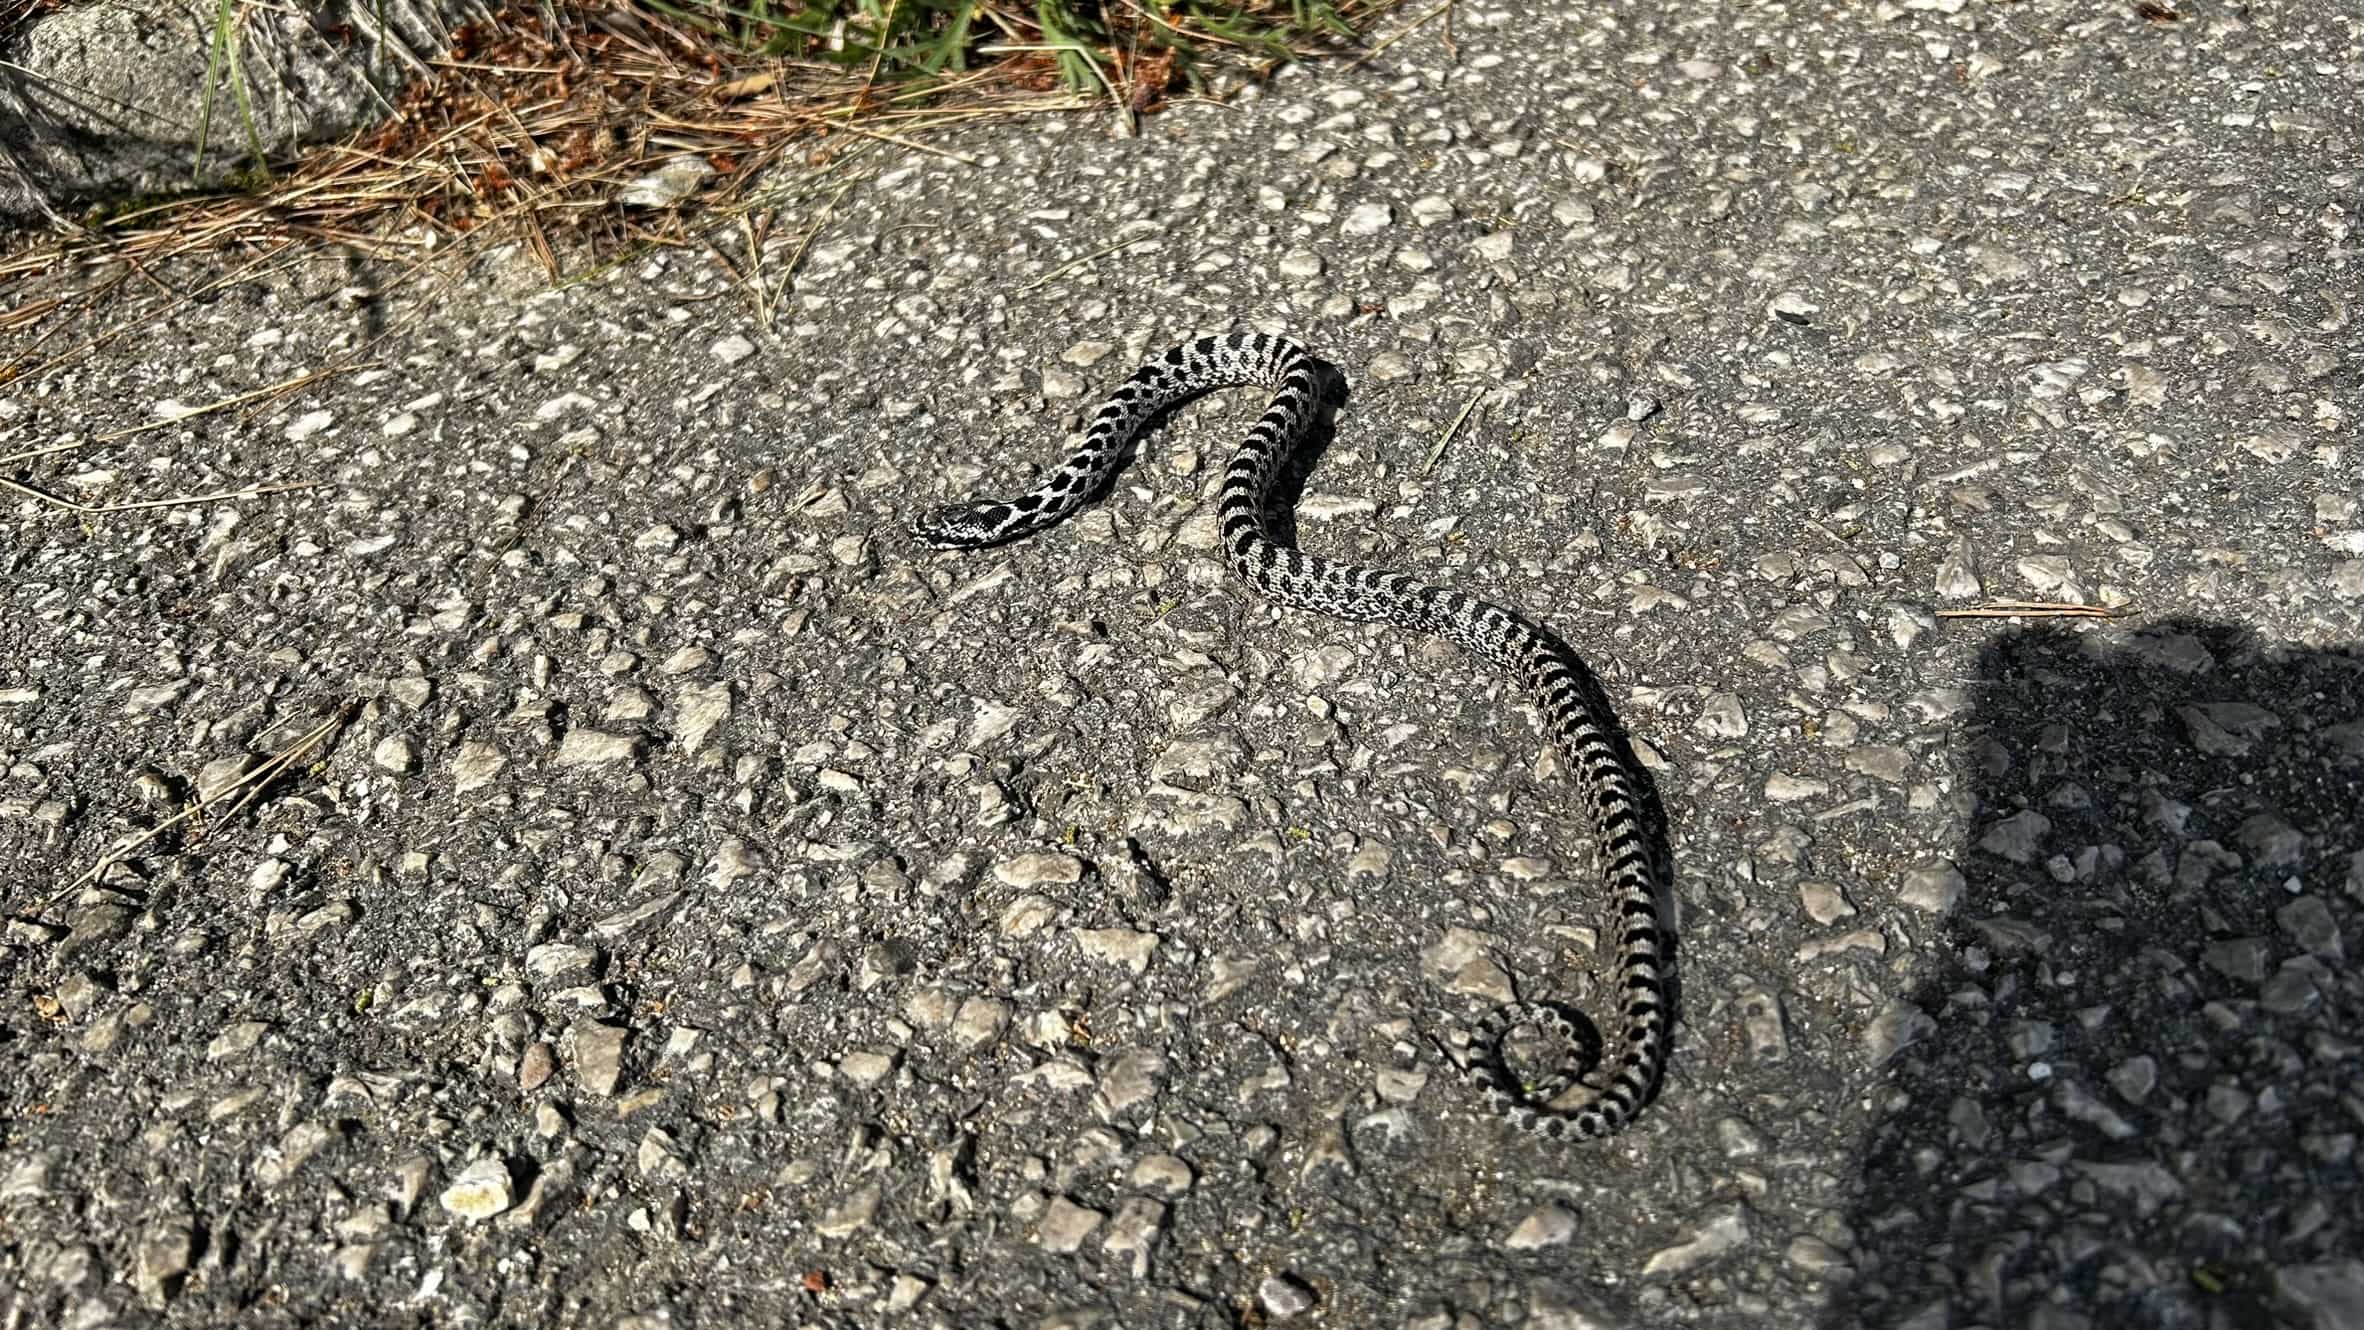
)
(2310, 924)
(236, 1041)
(143, 77)
(1284, 1296)
(1131, 1079)
(1134, 1232)
(475, 766)
(599, 1055)
(668, 185)
(295, 1148)
(2326, 1295)
(1548, 1226)
(1720, 1235)
(697, 709)
(482, 1189)
(1898, 1026)
(979, 1021)
(595, 748)
(2018, 838)
(851, 1215)
(1932, 886)
(1117, 946)
(395, 754)
(1064, 1225)
(1045, 868)
(1027, 915)
(166, 1250)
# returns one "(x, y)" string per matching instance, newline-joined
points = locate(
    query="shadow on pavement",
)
(2129, 1091)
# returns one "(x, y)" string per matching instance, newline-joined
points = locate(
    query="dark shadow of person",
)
(2130, 1091)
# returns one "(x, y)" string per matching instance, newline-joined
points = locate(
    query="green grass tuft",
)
(1084, 41)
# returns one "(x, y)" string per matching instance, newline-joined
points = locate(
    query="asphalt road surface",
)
(708, 908)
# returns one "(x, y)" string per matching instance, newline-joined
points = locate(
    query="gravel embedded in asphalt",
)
(720, 910)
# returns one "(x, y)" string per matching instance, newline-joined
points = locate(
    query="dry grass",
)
(534, 131)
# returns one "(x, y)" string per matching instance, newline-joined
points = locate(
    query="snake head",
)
(964, 526)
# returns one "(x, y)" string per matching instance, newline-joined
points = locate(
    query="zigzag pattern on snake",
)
(1552, 674)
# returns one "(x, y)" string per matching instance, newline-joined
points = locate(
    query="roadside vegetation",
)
(587, 131)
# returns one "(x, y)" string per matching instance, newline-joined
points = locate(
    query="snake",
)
(1565, 694)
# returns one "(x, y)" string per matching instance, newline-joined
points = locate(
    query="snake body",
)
(1557, 680)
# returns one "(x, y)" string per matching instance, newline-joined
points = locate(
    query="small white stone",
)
(394, 753)
(563, 404)
(668, 184)
(1045, 868)
(1065, 1225)
(482, 1190)
(1550, 1226)
(476, 766)
(593, 748)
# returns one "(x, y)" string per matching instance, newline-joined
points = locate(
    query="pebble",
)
(1131, 1079)
(1722, 716)
(979, 1021)
(1368, 219)
(1027, 915)
(2018, 838)
(599, 1055)
(851, 1215)
(1764, 1026)
(237, 1041)
(481, 1190)
(1135, 1231)
(309, 424)
(2324, 1295)
(1548, 1226)
(1783, 788)
(166, 1251)
(1064, 1225)
(595, 748)
(1040, 869)
(395, 754)
(1284, 1296)
(669, 184)
(534, 1068)
(1722, 1233)
(2244, 958)
(697, 710)
(1117, 946)
(1933, 886)
(1899, 1026)
(476, 765)
(1824, 902)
